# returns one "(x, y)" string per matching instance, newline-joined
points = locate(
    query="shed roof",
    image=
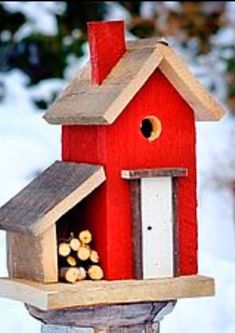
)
(49, 196)
(84, 103)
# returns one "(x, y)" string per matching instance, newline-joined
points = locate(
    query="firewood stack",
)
(77, 260)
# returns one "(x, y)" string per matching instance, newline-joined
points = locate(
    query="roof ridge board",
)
(151, 42)
(102, 107)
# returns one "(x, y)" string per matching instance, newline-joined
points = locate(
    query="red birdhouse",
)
(129, 166)
(136, 116)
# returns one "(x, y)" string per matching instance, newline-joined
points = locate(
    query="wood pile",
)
(77, 260)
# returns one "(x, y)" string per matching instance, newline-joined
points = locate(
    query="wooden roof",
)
(49, 196)
(84, 103)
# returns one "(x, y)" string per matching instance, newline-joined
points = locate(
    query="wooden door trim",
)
(154, 173)
(137, 228)
(135, 177)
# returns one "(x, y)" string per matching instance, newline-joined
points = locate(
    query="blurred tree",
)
(78, 13)
(43, 56)
(230, 70)
(9, 24)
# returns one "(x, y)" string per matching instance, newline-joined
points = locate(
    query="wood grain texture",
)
(82, 103)
(151, 173)
(64, 329)
(151, 42)
(33, 258)
(202, 102)
(49, 196)
(137, 238)
(136, 229)
(157, 227)
(104, 317)
(107, 46)
(90, 293)
(176, 240)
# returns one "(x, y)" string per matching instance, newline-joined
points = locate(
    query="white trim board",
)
(157, 227)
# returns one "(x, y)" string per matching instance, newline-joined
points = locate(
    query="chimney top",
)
(107, 46)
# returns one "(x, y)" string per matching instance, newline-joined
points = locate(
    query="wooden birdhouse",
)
(128, 173)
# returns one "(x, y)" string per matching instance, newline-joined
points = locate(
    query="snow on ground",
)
(27, 145)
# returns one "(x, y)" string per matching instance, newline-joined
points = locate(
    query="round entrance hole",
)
(151, 128)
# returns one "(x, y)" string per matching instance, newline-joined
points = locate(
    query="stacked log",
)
(78, 261)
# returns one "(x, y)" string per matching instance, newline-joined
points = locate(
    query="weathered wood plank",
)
(82, 103)
(33, 258)
(128, 318)
(64, 329)
(89, 293)
(151, 173)
(136, 229)
(157, 227)
(49, 196)
(175, 200)
(103, 317)
(143, 43)
(137, 223)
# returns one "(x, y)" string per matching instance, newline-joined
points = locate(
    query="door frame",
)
(137, 242)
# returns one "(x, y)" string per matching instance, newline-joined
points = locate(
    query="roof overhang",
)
(85, 104)
(48, 197)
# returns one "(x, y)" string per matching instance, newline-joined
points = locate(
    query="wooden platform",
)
(92, 293)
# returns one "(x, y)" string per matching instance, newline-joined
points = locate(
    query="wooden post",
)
(122, 318)
(64, 329)
(132, 329)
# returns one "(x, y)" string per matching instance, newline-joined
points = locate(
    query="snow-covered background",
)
(28, 145)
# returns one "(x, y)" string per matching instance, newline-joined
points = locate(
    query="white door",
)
(157, 227)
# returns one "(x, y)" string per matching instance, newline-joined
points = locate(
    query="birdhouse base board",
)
(94, 293)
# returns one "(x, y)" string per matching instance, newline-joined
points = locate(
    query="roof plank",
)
(202, 102)
(87, 104)
(84, 103)
(157, 172)
(49, 196)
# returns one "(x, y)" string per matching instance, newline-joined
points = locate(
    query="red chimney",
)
(107, 46)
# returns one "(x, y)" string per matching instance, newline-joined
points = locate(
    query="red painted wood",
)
(122, 146)
(107, 46)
